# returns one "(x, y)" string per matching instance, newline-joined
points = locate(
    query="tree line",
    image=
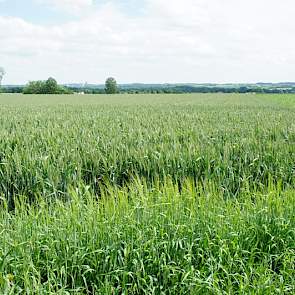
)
(148, 90)
(50, 86)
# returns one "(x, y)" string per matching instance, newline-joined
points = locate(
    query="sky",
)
(148, 41)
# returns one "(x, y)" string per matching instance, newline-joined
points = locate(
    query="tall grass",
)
(152, 194)
(138, 241)
(232, 140)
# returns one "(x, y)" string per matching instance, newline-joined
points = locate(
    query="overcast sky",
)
(148, 40)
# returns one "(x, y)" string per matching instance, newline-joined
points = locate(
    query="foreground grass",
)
(138, 241)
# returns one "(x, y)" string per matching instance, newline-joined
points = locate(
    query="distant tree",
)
(35, 87)
(51, 86)
(111, 86)
(2, 73)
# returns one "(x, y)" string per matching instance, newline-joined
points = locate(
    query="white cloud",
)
(71, 6)
(176, 40)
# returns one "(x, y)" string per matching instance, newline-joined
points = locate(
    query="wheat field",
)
(147, 194)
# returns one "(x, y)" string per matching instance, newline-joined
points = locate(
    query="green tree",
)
(51, 86)
(111, 86)
(35, 87)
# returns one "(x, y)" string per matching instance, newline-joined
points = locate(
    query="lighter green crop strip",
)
(139, 241)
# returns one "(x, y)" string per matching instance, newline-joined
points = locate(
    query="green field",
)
(147, 194)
